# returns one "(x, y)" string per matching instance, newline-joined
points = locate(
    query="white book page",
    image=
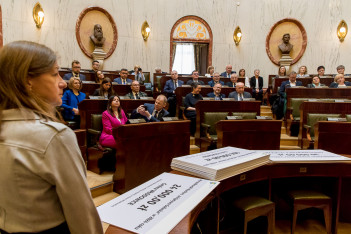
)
(158, 205)
(304, 156)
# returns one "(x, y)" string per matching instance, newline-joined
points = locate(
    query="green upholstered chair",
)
(253, 207)
(208, 133)
(312, 119)
(303, 199)
(245, 115)
(293, 115)
(348, 118)
(95, 151)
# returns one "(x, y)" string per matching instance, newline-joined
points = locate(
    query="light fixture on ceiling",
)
(38, 15)
(145, 31)
(342, 30)
(237, 35)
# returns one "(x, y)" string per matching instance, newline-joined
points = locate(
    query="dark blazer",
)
(212, 95)
(335, 85)
(169, 86)
(224, 74)
(312, 86)
(211, 83)
(131, 96)
(235, 95)
(119, 81)
(253, 82)
(286, 84)
(198, 81)
(230, 84)
(150, 108)
(68, 76)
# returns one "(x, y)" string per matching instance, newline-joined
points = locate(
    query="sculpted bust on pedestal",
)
(285, 47)
(98, 37)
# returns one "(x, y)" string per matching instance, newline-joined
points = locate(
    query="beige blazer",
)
(42, 177)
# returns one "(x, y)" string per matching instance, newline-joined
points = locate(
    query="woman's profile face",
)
(106, 86)
(49, 86)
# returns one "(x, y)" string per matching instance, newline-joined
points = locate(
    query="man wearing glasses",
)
(195, 76)
(123, 80)
(75, 72)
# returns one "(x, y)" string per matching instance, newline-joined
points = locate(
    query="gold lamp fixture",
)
(38, 15)
(237, 35)
(342, 30)
(145, 30)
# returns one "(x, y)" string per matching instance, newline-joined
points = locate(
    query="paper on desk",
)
(313, 156)
(158, 205)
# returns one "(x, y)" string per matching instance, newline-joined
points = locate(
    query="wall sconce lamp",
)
(237, 35)
(145, 31)
(342, 30)
(38, 15)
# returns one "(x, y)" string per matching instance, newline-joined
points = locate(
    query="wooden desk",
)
(121, 90)
(88, 107)
(146, 150)
(203, 106)
(342, 108)
(271, 176)
(253, 134)
(333, 136)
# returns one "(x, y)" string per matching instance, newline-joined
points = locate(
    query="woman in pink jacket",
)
(111, 118)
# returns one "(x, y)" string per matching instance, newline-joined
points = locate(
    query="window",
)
(184, 60)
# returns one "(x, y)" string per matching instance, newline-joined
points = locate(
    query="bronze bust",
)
(98, 38)
(285, 47)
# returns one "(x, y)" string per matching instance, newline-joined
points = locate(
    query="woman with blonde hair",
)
(210, 71)
(302, 72)
(42, 173)
(70, 100)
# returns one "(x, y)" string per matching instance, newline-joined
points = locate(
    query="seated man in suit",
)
(239, 94)
(233, 80)
(289, 83)
(123, 80)
(316, 83)
(195, 76)
(256, 83)
(217, 95)
(152, 112)
(228, 71)
(75, 72)
(215, 80)
(169, 89)
(135, 94)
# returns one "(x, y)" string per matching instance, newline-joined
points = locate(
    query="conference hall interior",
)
(191, 76)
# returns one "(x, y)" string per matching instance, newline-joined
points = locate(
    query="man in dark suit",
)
(256, 83)
(239, 94)
(195, 76)
(170, 87)
(215, 80)
(152, 112)
(135, 94)
(233, 80)
(123, 80)
(228, 71)
(216, 94)
(75, 72)
(289, 83)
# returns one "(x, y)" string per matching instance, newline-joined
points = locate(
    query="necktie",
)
(175, 85)
(241, 97)
(156, 113)
(137, 96)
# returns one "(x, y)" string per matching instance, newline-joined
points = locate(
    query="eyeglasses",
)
(196, 73)
(76, 67)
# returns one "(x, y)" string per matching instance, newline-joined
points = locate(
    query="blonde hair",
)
(337, 77)
(209, 68)
(19, 61)
(71, 81)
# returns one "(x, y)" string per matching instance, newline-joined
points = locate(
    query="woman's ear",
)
(29, 84)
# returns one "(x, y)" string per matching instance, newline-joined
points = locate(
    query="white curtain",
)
(184, 60)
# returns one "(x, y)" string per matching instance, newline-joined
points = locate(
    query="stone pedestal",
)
(286, 61)
(99, 54)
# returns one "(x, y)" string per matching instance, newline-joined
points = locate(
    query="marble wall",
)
(255, 18)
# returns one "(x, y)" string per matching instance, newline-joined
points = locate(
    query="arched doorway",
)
(191, 34)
